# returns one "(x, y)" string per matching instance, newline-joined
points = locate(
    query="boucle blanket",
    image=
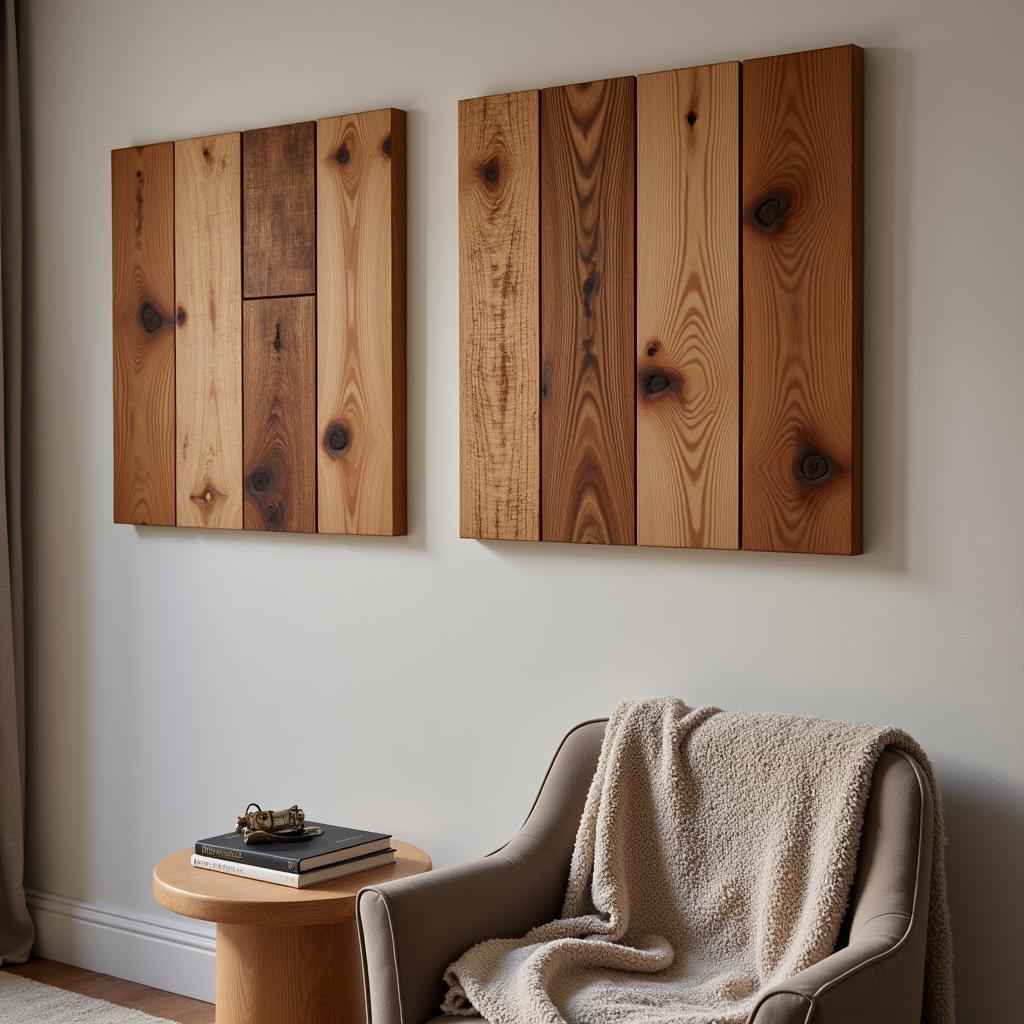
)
(714, 858)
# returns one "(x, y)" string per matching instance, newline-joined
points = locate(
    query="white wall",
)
(420, 684)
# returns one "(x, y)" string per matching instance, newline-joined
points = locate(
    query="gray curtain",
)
(16, 932)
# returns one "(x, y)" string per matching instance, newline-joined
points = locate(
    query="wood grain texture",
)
(588, 156)
(142, 208)
(307, 975)
(688, 301)
(279, 413)
(361, 169)
(231, 899)
(802, 123)
(499, 317)
(279, 211)
(207, 231)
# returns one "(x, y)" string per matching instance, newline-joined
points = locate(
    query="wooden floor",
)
(114, 990)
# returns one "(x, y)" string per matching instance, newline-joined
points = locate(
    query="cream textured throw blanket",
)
(714, 858)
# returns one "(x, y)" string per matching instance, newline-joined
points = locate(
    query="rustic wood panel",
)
(688, 298)
(361, 323)
(142, 205)
(802, 116)
(207, 213)
(588, 155)
(278, 413)
(279, 211)
(499, 317)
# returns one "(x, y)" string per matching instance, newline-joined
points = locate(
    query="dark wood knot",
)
(151, 318)
(260, 480)
(342, 156)
(770, 212)
(691, 118)
(658, 382)
(813, 467)
(181, 316)
(387, 146)
(272, 514)
(490, 172)
(337, 439)
(277, 338)
(652, 348)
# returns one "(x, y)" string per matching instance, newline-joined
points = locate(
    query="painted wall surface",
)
(419, 685)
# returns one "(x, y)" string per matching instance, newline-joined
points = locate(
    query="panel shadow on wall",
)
(646, 223)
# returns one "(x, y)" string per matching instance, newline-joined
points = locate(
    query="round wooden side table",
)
(284, 956)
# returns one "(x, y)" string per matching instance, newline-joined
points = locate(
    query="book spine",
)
(230, 867)
(255, 858)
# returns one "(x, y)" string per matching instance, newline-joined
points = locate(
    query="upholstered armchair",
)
(411, 929)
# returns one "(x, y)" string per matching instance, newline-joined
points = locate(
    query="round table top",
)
(231, 899)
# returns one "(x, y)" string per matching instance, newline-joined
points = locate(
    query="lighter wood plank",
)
(279, 200)
(588, 416)
(209, 331)
(142, 207)
(802, 299)
(279, 413)
(361, 323)
(499, 317)
(688, 299)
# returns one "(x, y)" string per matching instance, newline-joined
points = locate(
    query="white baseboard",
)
(125, 944)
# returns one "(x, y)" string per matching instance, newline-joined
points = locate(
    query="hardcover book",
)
(337, 844)
(296, 879)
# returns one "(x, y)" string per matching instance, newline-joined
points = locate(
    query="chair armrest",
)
(411, 929)
(873, 978)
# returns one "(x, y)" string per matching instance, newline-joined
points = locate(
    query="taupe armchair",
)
(411, 929)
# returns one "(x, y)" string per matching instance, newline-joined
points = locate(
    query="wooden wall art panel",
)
(499, 317)
(142, 192)
(361, 323)
(802, 300)
(697, 372)
(208, 284)
(688, 316)
(219, 290)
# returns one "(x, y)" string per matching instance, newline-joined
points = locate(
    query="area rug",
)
(23, 1001)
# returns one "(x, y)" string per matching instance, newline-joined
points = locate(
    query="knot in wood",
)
(691, 118)
(770, 211)
(181, 317)
(814, 467)
(386, 146)
(338, 438)
(260, 480)
(151, 318)
(490, 173)
(343, 154)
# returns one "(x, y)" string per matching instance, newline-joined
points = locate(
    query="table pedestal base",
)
(304, 975)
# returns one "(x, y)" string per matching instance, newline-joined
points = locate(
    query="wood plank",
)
(361, 323)
(688, 301)
(499, 317)
(802, 122)
(142, 206)
(588, 156)
(207, 213)
(279, 414)
(279, 211)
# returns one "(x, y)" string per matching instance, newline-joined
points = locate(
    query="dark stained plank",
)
(279, 211)
(499, 317)
(688, 305)
(802, 124)
(208, 375)
(588, 152)
(279, 413)
(142, 196)
(361, 169)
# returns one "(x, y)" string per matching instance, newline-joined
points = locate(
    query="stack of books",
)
(334, 854)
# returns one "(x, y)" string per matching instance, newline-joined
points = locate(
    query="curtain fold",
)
(16, 931)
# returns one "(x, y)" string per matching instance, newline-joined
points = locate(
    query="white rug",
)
(23, 1001)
